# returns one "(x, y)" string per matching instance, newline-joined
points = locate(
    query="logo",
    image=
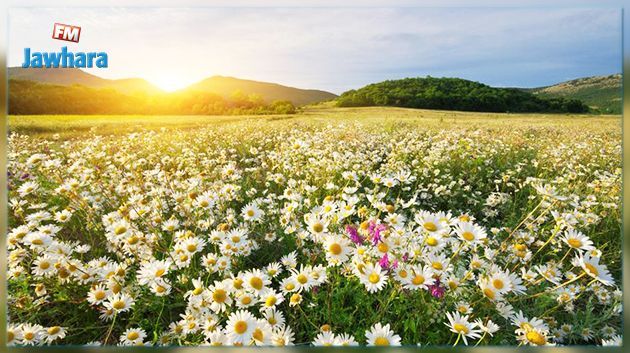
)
(64, 58)
(68, 33)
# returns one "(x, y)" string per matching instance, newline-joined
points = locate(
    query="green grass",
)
(122, 124)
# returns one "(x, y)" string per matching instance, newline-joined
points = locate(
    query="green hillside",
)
(226, 87)
(74, 76)
(32, 98)
(454, 94)
(601, 93)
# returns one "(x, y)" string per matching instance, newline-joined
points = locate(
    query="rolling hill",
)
(455, 94)
(601, 93)
(219, 85)
(74, 76)
(226, 86)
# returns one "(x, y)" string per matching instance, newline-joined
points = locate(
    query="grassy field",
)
(332, 226)
(107, 124)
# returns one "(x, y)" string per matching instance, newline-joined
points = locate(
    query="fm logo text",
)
(68, 33)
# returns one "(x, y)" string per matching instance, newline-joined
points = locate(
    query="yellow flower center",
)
(335, 249)
(246, 300)
(437, 265)
(160, 272)
(575, 243)
(431, 241)
(119, 304)
(219, 295)
(430, 226)
(374, 278)
(133, 335)
(536, 338)
(54, 330)
(256, 283)
(381, 341)
(382, 247)
(271, 301)
(290, 286)
(250, 213)
(418, 280)
(296, 298)
(498, 284)
(591, 269)
(468, 236)
(257, 334)
(29, 336)
(489, 293)
(240, 327)
(191, 247)
(318, 227)
(44, 265)
(461, 328)
(100, 295)
(120, 230)
(302, 278)
(197, 291)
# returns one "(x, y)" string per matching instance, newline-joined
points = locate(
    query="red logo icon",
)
(68, 33)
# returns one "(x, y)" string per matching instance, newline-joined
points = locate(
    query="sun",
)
(170, 83)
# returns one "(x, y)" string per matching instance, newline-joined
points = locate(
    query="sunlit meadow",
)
(367, 226)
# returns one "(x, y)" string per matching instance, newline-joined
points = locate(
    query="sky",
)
(333, 49)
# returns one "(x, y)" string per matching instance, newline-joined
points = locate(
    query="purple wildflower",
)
(384, 262)
(375, 230)
(437, 291)
(354, 235)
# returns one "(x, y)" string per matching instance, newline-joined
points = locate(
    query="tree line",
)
(455, 94)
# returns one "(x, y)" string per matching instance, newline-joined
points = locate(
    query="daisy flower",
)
(119, 303)
(133, 336)
(220, 296)
(577, 240)
(373, 278)
(240, 326)
(593, 268)
(337, 249)
(31, 334)
(282, 336)
(470, 233)
(460, 325)
(325, 339)
(379, 335)
(345, 340)
(256, 280)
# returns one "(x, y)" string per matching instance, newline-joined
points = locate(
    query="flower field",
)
(369, 226)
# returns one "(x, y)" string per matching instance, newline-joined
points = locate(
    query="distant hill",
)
(30, 97)
(455, 94)
(74, 76)
(227, 86)
(601, 93)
